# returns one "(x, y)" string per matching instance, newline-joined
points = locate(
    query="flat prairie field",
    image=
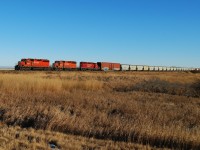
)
(99, 110)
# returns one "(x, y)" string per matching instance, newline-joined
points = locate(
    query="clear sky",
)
(152, 32)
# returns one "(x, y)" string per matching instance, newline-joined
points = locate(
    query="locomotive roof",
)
(88, 62)
(32, 59)
(65, 61)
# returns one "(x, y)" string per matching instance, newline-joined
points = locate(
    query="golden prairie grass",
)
(18, 138)
(33, 83)
(152, 112)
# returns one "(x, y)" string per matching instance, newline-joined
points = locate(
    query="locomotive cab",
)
(21, 64)
(55, 65)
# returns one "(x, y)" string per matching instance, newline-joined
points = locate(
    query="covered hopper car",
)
(125, 67)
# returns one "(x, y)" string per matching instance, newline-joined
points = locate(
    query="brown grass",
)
(35, 83)
(18, 138)
(157, 109)
(156, 85)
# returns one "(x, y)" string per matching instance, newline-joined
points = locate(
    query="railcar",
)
(145, 68)
(160, 68)
(125, 67)
(156, 68)
(140, 68)
(106, 66)
(133, 68)
(151, 68)
(164, 68)
(168, 69)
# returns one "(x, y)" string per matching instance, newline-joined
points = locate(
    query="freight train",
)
(44, 64)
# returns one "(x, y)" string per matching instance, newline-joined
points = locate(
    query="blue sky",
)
(152, 32)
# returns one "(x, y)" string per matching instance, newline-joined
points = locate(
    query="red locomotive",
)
(88, 66)
(64, 65)
(33, 64)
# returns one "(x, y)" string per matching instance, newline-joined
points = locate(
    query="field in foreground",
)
(140, 110)
(18, 138)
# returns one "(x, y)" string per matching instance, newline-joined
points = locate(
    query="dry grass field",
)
(99, 110)
(21, 138)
